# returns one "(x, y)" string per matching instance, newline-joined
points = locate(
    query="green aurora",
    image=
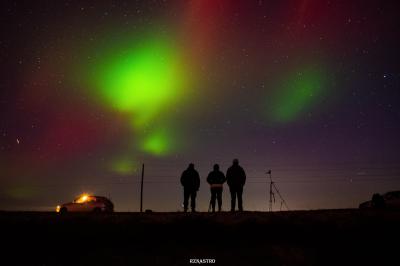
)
(296, 95)
(143, 81)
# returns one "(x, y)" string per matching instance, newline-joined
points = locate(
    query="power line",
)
(293, 180)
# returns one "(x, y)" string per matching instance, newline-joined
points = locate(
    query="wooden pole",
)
(270, 196)
(141, 190)
(271, 193)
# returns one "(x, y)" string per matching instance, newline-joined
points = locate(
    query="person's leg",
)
(185, 199)
(193, 200)
(219, 198)
(233, 198)
(213, 195)
(239, 195)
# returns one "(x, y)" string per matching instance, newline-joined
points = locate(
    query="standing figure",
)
(236, 178)
(216, 180)
(190, 181)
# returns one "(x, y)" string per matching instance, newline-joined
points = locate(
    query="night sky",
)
(90, 90)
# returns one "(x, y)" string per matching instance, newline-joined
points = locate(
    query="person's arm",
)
(198, 180)
(209, 178)
(223, 177)
(228, 176)
(244, 176)
(183, 179)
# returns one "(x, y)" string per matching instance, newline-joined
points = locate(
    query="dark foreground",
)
(329, 237)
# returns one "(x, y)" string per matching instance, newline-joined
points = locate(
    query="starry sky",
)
(90, 90)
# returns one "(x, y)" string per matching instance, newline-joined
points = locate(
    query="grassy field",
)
(326, 237)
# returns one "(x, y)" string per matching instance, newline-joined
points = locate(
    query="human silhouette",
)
(216, 180)
(236, 178)
(190, 181)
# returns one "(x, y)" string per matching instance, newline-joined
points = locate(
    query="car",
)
(390, 200)
(87, 203)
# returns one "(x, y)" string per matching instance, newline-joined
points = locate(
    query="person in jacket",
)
(236, 178)
(216, 180)
(190, 181)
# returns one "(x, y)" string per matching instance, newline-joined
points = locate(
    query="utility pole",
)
(271, 192)
(141, 190)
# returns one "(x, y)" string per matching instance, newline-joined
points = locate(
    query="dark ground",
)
(327, 237)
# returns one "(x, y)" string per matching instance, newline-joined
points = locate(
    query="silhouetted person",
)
(190, 181)
(216, 180)
(236, 178)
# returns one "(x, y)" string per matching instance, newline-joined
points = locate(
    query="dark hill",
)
(326, 237)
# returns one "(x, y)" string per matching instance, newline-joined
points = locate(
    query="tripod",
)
(273, 187)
